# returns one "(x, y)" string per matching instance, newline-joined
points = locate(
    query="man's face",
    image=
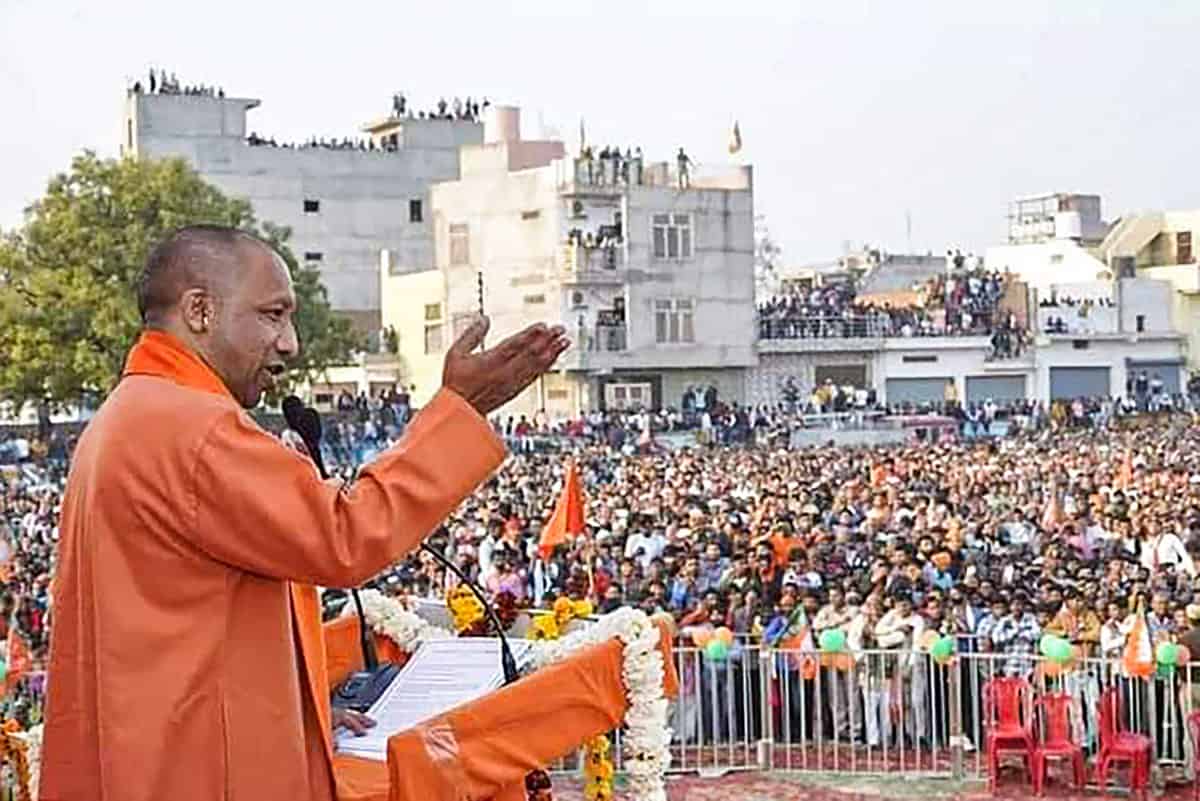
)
(836, 599)
(252, 337)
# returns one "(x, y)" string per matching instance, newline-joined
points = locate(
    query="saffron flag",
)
(19, 659)
(1138, 658)
(735, 139)
(568, 514)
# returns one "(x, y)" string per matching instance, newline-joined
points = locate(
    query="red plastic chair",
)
(1118, 744)
(1057, 741)
(1193, 723)
(1008, 718)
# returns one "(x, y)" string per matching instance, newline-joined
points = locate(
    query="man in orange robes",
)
(177, 671)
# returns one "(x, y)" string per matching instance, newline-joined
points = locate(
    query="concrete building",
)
(1123, 331)
(653, 276)
(343, 205)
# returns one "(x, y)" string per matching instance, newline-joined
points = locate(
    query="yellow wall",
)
(402, 305)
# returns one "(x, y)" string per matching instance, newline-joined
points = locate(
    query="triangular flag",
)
(735, 139)
(568, 514)
(1138, 659)
(19, 659)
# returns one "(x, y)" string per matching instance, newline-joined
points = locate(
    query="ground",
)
(813, 787)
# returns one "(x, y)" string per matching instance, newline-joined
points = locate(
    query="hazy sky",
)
(852, 113)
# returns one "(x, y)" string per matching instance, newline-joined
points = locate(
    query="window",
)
(1183, 247)
(531, 215)
(1141, 323)
(918, 359)
(414, 211)
(460, 237)
(312, 206)
(312, 255)
(557, 394)
(433, 328)
(433, 339)
(1079, 344)
(1056, 258)
(129, 134)
(672, 236)
(534, 300)
(673, 321)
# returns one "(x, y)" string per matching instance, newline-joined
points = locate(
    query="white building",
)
(1109, 332)
(343, 205)
(653, 278)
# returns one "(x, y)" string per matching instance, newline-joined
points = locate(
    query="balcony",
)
(600, 347)
(580, 264)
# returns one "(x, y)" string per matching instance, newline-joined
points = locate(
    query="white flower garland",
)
(388, 617)
(647, 735)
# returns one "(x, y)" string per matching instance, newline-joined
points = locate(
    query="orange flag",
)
(1138, 657)
(19, 658)
(568, 514)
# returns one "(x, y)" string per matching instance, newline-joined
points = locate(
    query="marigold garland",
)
(598, 770)
(466, 610)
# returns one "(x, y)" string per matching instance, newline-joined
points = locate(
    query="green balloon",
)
(716, 649)
(1167, 653)
(3, 670)
(943, 648)
(1046, 645)
(833, 641)
(1166, 671)
(1060, 651)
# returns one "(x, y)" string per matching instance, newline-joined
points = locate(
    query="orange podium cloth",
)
(483, 749)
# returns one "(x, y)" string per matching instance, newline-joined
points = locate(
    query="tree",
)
(68, 309)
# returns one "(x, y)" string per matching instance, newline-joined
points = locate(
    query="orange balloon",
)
(927, 640)
(724, 635)
(702, 637)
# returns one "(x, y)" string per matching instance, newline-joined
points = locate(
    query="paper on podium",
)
(441, 675)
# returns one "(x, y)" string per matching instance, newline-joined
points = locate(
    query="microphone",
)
(307, 423)
(507, 661)
(360, 690)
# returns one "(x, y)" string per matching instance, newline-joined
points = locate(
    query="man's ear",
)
(198, 310)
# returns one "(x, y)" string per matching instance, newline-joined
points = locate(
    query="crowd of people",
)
(457, 109)
(608, 166)
(321, 143)
(164, 84)
(1092, 509)
(963, 303)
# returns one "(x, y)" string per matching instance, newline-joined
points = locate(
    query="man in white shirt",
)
(899, 630)
(1165, 548)
(650, 544)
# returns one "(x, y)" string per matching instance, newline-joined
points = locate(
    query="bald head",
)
(196, 257)
(227, 296)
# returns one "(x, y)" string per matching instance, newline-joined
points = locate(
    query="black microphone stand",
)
(507, 661)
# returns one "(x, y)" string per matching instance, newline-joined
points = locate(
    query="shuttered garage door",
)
(1067, 383)
(915, 390)
(1167, 371)
(999, 388)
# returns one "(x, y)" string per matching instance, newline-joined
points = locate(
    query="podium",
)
(483, 749)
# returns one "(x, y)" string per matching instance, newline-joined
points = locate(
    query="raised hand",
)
(490, 378)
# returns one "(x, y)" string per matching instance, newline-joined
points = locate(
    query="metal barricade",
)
(888, 712)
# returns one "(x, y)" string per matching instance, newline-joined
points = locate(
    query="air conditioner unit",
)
(577, 301)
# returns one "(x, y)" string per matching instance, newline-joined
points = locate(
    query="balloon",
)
(702, 636)
(1166, 671)
(716, 650)
(724, 635)
(1060, 651)
(833, 641)
(942, 650)
(3, 670)
(1182, 655)
(927, 640)
(1046, 645)
(1166, 653)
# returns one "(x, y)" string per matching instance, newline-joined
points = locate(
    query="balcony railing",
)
(858, 326)
(578, 260)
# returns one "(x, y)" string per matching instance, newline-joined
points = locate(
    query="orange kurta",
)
(176, 667)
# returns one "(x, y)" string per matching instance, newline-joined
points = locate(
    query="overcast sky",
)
(852, 113)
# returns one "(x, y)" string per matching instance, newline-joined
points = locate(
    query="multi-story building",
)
(343, 203)
(652, 272)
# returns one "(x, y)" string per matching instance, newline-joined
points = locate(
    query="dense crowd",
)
(964, 303)
(1064, 527)
(457, 109)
